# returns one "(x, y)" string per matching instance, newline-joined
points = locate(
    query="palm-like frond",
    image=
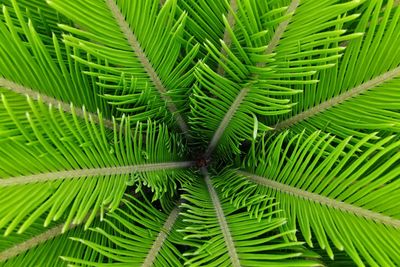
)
(45, 248)
(66, 164)
(358, 95)
(223, 235)
(291, 105)
(136, 72)
(329, 195)
(266, 63)
(148, 238)
(27, 63)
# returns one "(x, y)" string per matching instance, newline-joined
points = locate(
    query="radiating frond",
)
(360, 94)
(275, 50)
(223, 235)
(40, 246)
(341, 198)
(47, 68)
(199, 133)
(135, 71)
(149, 237)
(54, 162)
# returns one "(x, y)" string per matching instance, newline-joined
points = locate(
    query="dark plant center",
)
(202, 162)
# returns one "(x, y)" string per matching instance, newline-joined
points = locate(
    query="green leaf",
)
(54, 162)
(42, 16)
(358, 95)
(205, 23)
(275, 52)
(132, 62)
(148, 237)
(47, 68)
(292, 106)
(341, 198)
(41, 246)
(224, 235)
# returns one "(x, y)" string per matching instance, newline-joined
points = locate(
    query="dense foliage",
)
(200, 133)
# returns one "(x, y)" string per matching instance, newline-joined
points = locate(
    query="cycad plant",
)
(200, 133)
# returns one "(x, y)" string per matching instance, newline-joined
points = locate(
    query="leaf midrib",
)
(34, 241)
(227, 38)
(244, 91)
(234, 257)
(135, 45)
(51, 101)
(105, 171)
(161, 237)
(326, 201)
(332, 102)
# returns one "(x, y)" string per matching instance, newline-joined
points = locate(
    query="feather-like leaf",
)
(134, 70)
(26, 61)
(360, 94)
(40, 246)
(148, 237)
(341, 198)
(54, 162)
(224, 235)
(268, 61)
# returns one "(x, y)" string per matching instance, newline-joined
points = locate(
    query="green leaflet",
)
(348, 99)
(275, 52)
(45, 67)
(204, 23)
(289, 110)
(224, 235)
(131, 57)
(148, 237)
(342, 198)
(74, 166)
(48, 244)
(41, 15)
